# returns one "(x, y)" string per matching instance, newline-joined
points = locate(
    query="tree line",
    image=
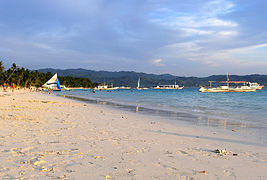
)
(25, 78)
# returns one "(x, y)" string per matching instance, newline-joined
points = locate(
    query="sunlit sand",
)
(44, 136)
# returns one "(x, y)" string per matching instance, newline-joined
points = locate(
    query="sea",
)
(241, 112)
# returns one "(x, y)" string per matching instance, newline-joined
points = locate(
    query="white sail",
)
(52, 83)
(138, 83)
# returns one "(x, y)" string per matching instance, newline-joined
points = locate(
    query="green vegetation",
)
(69, 81)
(25, 78)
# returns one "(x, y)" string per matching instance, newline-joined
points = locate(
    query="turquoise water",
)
(244, 111)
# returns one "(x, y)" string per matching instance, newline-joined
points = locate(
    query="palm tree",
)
(14, 67)
(1, 67)
(1, 72)
(25, 77)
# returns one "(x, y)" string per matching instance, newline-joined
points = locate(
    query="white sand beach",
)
(43, 136)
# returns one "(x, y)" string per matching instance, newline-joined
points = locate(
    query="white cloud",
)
(43, 46)
(247, 48)
(215, 22)
(206, 35)
(158, 62)
(191, 31)
(195, 22)
(101, 32)
(218, 7)
(204, 21)
(239, 57)
(227, 33)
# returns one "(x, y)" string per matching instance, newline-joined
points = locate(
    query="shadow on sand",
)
(208, 138)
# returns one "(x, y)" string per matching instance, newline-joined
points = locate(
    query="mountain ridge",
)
(129, 78)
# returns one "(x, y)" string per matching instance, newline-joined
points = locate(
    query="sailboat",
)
(139, 86)
(53, 84)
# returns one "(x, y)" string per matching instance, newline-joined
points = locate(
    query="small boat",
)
(65, 88)
(105, 87)
(226, 89)
(172, 86)
(124, 87)
(139, 86)
(52, 84)
(246, 87)
(168, 87)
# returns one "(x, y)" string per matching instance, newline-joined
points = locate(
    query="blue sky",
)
(185, 38)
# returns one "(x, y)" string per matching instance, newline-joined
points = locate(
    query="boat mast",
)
(138, 83)
(228, 80)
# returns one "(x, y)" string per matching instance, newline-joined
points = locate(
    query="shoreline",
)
(179, 119)
(53, 137)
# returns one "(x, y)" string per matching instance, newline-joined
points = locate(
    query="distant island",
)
(129, 78)
(90, 78)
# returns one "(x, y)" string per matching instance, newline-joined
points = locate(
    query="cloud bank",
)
(194, 37)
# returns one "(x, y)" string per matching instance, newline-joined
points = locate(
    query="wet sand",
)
(47, 137)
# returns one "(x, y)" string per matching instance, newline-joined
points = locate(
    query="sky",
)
(183, 38)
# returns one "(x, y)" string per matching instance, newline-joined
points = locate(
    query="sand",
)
(43, 136)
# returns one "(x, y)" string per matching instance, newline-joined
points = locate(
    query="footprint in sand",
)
(182, 152)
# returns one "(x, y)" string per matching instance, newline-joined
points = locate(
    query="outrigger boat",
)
(52, 84)
(246, 87)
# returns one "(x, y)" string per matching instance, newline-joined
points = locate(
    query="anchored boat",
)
(236, 86)
(168, 87)
(172, 86)
(105, 87)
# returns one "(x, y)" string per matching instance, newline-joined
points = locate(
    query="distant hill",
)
(129, 78)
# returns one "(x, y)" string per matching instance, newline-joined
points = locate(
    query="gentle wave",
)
(223, 110)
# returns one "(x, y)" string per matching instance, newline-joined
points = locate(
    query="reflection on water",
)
(180, 116)
(222, 123)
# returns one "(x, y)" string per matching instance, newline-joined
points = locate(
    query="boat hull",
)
(214, 90)
(170, 88)
(142, 88)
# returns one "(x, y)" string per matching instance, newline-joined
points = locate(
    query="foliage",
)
(1, 67)
(25, 78)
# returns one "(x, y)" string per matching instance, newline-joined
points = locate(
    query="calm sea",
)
(245, 112)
